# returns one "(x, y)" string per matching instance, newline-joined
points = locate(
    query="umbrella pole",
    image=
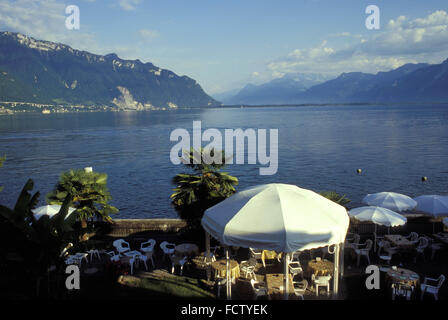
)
(336, 271)
(286, 277)
(228, 278)
(207, 253)
(374, 248)
(341, 260)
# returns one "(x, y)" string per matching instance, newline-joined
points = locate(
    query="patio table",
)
(399, 241)
(275, 284)
(269, 254)
(320, 268)
(220, 268)
(404, 276)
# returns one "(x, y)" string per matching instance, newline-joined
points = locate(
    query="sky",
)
(225, 45)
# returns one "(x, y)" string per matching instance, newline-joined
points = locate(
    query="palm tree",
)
(335, 197)
(89, 192)
(206, 186)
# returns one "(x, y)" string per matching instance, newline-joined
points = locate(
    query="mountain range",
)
(53, 73)
(277, 91)
(36, 71)
(410, 83)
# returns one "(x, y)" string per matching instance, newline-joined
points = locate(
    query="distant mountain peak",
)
(277, 91)
(32, 42)
(111, 56)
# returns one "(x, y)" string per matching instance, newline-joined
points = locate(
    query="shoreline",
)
(9, 112)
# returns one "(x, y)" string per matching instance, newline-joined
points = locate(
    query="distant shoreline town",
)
(10, 108)
(14, 107)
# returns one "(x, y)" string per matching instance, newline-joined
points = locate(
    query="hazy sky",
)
(227, 44)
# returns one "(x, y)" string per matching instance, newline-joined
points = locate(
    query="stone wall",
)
(141, 228)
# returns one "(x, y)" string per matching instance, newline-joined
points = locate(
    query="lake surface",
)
(319, 148)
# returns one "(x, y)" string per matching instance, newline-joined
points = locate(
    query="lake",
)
(319, 148)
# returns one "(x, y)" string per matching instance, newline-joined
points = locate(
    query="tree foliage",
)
(89, 194)
(206, 186)
(335, 197)
(29, 246)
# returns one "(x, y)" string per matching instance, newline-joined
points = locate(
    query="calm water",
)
(320, 148)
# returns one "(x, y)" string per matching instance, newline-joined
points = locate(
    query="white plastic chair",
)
(73, 259)
(385, 246)
(256, 254)
(141, 258)
(148, 246)
(148, 250)
(433, 289)
(92, 253)
(300, 288)
(125, 259)
(113, 256)
(219, 282)
(413, 236)
(210, 258)
(81, 256)
(294, 266)
(354, 243)
(420, 249)
(321, 281)
(376, 240)
(247, 267)
(296, 255)
(121, 246)
(167, 251)
(434, 247)
(258, 288)
(178, 261)
(363, 251)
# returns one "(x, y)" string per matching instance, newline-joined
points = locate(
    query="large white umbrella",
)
(50, 210)
(279, 217)
(390, 200)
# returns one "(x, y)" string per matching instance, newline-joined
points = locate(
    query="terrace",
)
(101, 278)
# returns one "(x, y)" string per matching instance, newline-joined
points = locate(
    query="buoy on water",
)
(424, 179)
(358, 171)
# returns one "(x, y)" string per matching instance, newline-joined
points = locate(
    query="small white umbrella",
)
(390, 200)
(50, 210)
(434, 205)
(378, 215)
